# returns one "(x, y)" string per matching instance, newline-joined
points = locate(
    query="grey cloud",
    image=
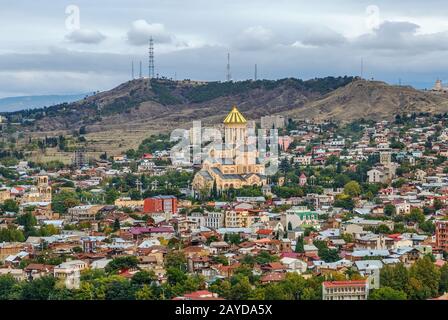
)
(254, 38)
(398, 36)
(141, 31)
(323, 37)
(260, 31)
(86, 36)
(63, 60)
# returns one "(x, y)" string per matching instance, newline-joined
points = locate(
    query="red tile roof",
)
(346, 283)
(265, 231)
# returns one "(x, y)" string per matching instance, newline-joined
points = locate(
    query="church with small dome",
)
(233, 164)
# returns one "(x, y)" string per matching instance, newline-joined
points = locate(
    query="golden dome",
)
(235, 117)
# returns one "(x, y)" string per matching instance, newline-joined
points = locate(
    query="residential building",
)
(70, 273)
(345, 290)
(159, 204)
(83, 213)
(442, 235)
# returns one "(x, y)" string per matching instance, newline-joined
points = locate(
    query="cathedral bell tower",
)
(235, 128)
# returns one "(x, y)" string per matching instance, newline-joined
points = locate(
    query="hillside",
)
(163, 104)
(372, 100)
(121, 118)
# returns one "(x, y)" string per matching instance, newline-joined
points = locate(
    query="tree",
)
(443, 285)
(275, 291)
(214, 193)
(111, 196)
(241, 290)
(11, 235)
(27, 220)
(143, 278)
(175, 276)
(222, 288)
(395, 277)
(387, 293)
(383, 229)
(299, 245)
(118, 288)
(328, 255)
(176, 259)
(64, 200)
(117, 225)
(344, 201)
(389, 209)
(264, 257)
(352, 188)
(416, 215)
(7, 282)
(438, 204)
(284, 166)
(427, 277)
(428, 227)
(122, 263)
(145, 293)
(38, 289)
(233, 238)
(10, 205)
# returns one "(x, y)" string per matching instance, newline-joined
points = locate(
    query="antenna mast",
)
(140, 70)
(362, 68)
(133, 70)
(256, 73)
(229, 75)
(151, 59)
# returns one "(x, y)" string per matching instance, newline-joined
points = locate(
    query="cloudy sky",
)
(65, 47)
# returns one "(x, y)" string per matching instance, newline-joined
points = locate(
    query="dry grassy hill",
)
(371, 100)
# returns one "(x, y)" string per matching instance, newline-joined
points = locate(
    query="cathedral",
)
(233, 164)
(39, 193)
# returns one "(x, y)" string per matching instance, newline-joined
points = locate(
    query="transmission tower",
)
(151, 59)
(140, 75)
(256, 73)
(229, 75)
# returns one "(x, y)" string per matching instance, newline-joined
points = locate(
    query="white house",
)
(70, 272)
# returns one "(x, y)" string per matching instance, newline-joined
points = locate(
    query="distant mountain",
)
(11, 104)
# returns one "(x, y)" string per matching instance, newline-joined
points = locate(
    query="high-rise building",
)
(273, 122)
(442, 235)
(159, 204)
(79, 159)
(385, 158)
